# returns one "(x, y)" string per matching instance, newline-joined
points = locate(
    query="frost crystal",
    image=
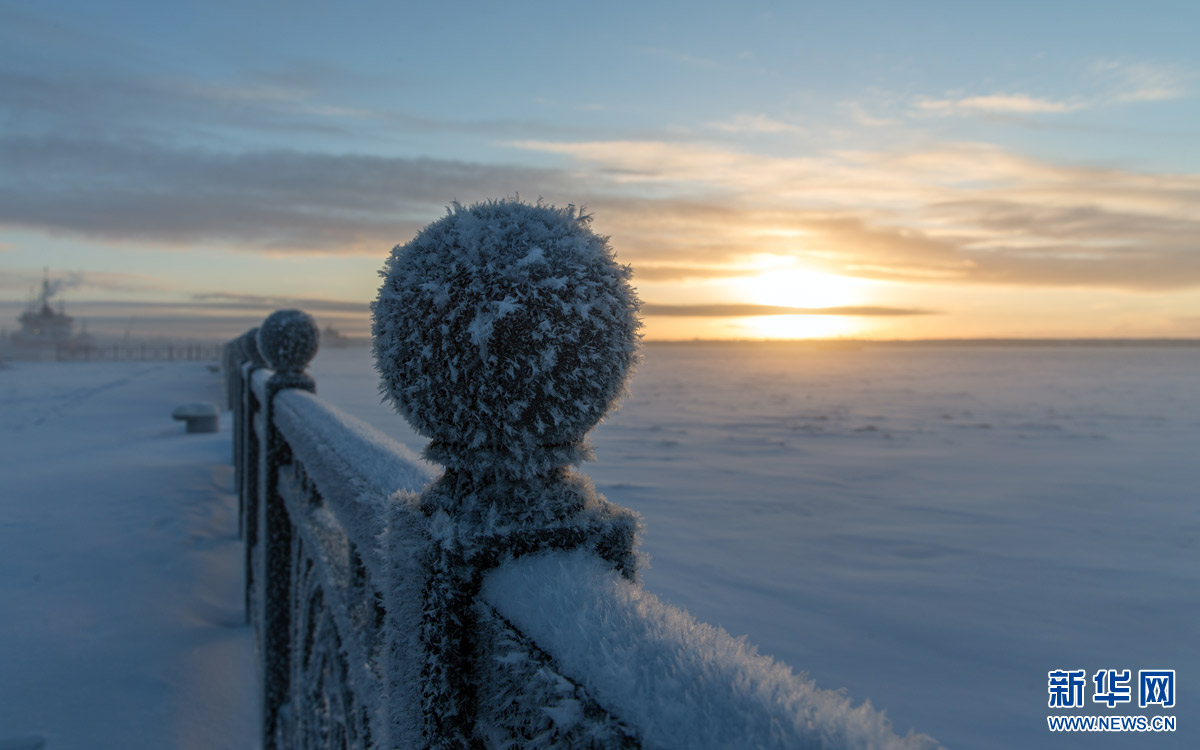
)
(504, 332)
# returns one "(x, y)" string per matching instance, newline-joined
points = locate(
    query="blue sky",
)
(936, 169)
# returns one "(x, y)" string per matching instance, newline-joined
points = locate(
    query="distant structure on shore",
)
(332, 337)
(45, 333)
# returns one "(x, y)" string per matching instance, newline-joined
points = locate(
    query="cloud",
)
(109, 105)
(998, 103)
(861, 116)
(743, 311)
(273, 302)
(653, 272)
(269, 199)
(968, 213)
(1116, 82)
(963, 213)
(248, 108)
(1141, 82)
(647, 160)
(758, 124)
(114, 155)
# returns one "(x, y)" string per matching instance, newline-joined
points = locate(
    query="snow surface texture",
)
(684, 684)
(525, 703)
(355, 467)
(504, 332)
(120, 568)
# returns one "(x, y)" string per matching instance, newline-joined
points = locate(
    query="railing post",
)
(237, 385)
(249, 496)
(247, 436)
(288, 341)
(504, 332)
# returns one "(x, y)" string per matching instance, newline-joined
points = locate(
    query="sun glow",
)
(800, 287)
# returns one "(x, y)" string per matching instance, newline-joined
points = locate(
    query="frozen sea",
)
(931, 528)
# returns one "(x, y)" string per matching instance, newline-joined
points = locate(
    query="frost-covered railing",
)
(496, 604)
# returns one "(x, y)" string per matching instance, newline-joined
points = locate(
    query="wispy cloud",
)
(290, 100)
(969, 213)
(1114, 82)
(247, 108)
(1001, 103)
(268, 199)
(275, 302)
(964, 212)
(656, 272)
(745, 311)
(858, 112)
(1142, 82)
(758, 124)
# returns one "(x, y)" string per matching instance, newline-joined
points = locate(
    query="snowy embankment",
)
(121, 622)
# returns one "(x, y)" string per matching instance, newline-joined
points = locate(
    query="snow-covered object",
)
(356, 563)
(524, 702)
(678, 682)
(200, 416)
(504, 332)
(356, 468)
(288, 340)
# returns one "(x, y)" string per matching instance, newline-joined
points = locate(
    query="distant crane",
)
(128, 329)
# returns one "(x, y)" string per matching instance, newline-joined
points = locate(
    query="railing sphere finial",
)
(504, 332)
(288, 340)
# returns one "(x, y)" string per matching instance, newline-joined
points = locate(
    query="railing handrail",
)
(356, 468)
(684, 684)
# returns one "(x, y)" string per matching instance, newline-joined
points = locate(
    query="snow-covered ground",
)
(120, 568)
(931, 528)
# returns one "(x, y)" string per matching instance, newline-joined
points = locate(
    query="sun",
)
(800, 287)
